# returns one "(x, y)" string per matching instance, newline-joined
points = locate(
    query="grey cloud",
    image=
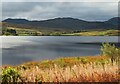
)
(47, 10)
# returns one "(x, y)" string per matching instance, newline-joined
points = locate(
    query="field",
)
(11, 31)
(23, 32)
(96, 33)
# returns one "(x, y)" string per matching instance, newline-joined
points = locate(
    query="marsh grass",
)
(76, 73)
(70, 69)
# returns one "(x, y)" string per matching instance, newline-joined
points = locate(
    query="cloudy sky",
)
(91, 11)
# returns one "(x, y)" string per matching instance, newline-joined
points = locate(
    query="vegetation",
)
(9, 32)
(95, 33)
(19, 32)
(111, 51)
(70, 69)
(10, 74)
(47, 32)
(66, 26)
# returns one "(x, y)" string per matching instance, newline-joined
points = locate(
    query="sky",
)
(89, 10)
(60, 0)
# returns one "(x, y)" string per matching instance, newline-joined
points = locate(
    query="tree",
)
(111, 51)
(12, 31)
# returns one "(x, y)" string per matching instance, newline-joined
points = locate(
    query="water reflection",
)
(16, 50)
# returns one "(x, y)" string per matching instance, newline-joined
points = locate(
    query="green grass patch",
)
(96, 33)
(53, 32)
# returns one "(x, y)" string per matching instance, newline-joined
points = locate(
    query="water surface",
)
(16, 50)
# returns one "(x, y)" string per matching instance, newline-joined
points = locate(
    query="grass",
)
(25, 32)
(70, 69)
(96, 33)
(64, 62)
(53, 32)
(76, 73)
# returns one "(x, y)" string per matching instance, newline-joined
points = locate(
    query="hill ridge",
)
(67, 23)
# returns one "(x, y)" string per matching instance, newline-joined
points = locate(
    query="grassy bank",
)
(78, 72)
(96, 33)
(70, 69)
(102, 68)
(12, 31)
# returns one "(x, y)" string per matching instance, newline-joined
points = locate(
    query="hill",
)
(65, 23)
(60, 27)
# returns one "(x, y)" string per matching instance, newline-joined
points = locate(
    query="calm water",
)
(16, 50)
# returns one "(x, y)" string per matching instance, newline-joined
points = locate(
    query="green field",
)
(96, 33)
(11, 31)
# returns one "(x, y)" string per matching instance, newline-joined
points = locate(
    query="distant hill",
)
(65, 23)
(114, 21)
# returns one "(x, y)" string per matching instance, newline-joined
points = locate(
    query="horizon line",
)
(20, 18)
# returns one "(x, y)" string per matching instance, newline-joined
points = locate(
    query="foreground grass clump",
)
(72, 69)
(76, 73)
(10, 74)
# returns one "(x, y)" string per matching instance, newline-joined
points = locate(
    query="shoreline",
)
(68, 69)
(74, 58)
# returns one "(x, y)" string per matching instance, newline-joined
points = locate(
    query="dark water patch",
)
(16, 51)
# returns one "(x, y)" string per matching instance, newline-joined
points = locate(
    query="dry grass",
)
(89, 72)
(70, 69)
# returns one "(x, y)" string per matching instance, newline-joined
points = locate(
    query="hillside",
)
(65, 23)
(60, 27)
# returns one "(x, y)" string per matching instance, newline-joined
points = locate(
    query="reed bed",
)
(89, 72)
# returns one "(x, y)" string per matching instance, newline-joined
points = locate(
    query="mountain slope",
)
(65, 23)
